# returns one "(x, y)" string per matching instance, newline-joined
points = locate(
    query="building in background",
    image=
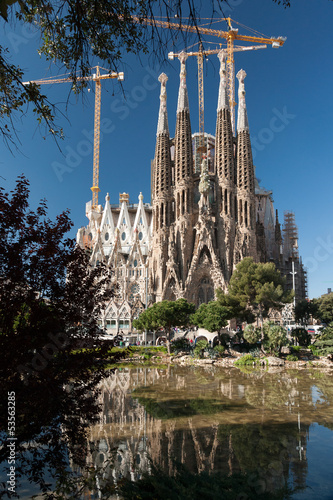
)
(207, 213)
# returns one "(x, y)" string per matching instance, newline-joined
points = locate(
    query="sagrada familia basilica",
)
(205, 216)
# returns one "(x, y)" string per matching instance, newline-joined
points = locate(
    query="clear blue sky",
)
(292, 156)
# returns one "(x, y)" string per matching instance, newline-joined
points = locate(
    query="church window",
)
(140, 235)
(140, 221)
(123, 236)
(135, 263)
(124, 220)
(106, 236)
(90, 236)
(134, 291)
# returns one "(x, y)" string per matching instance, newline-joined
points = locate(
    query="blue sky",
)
(290, 108)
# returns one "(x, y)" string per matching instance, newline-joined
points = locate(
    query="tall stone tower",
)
(204, 221)
(246, 236)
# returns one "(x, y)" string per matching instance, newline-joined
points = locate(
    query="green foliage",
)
(179, 345)
(291, 357)
(255, 288)
(252, 334)
(275, 336)
(304, 310)
(296, 348)
(51, 300)
(324, 347)
(220, 350)
(200, 347)
(325, 308)
(212, 316)
(314, 350)
(184, 485)
(165, 314)
(327, 333)
(246, 359)
(301, 335)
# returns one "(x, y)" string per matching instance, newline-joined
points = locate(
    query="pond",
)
(276, 425)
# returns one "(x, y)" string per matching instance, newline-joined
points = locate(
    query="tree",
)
(275, 336)
(74, 35)
(325, 308)
(305, 310)
(255, 288)
(50, 303)
(252, 334)
(165, 314)
(301, 335)
(212, 316)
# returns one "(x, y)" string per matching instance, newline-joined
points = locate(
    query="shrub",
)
(290, 357)
(252, 334)
(179, 345)
(275, 335)
(301, 335)
(200, 346)
(296, 348)
(247, 359)
(314, 350)
(219, 349)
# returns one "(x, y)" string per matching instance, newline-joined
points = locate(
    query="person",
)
(191, 342)
(210, 343)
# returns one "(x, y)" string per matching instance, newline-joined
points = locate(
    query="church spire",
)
(224, 150)
(245, 170)
(182, 95)
(162, 161)
(162, 125)
(242, 121)
(183, 139)
(223, 101)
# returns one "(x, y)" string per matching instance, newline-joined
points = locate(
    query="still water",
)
(276, 425)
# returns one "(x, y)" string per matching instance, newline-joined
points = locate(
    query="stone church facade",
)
(201, 221)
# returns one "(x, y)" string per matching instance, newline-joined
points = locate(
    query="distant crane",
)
(231, 35)
(95, 77)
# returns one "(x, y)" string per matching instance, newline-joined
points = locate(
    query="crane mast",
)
(96, 77)
(231, 35)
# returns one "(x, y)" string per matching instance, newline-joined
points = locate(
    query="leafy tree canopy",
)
(74, 35)
(255, 288)
(325, 308)
(165, 314)
(50, 303)
(212, 316)
(304, 310)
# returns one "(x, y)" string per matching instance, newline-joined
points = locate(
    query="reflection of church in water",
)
(248, 434)
(204, 217)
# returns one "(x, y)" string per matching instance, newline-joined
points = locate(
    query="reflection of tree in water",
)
(210, 420)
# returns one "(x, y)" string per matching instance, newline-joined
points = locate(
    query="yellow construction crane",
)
(200, 56)
(95, 77)
(231, 35)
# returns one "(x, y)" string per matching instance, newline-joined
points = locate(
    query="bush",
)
(290, 357)
(275, 336)
(200, 346)
(252, 334)
(314, 350)
(301, 335)
(246, 359)
(219, 349)
(296, 348)
(179, 345)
